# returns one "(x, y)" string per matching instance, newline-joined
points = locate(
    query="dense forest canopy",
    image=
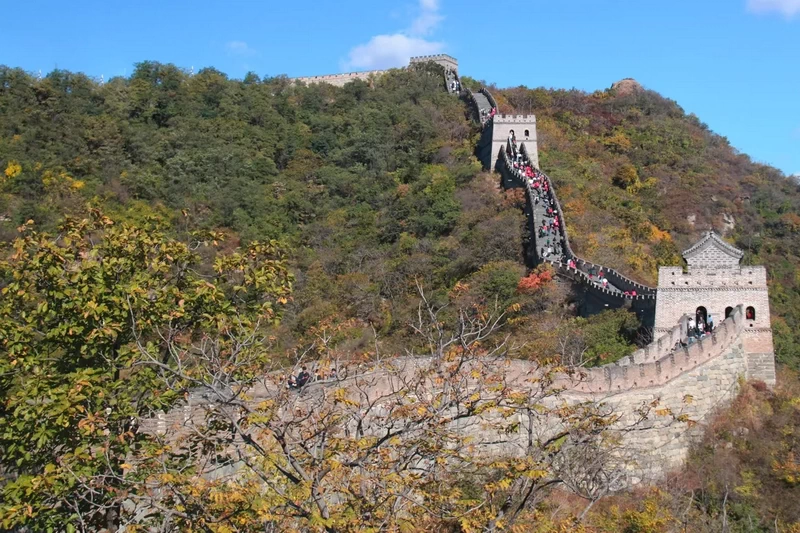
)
(316, 219)
(374, 187)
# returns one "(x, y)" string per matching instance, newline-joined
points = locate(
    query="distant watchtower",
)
(448, 62)
(524, 128)
(713, 285)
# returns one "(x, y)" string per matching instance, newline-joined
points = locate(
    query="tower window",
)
(728, 311)
(701, 315)
(750, 313)
(527, 133)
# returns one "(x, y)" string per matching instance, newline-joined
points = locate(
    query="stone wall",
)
(693, 383)
(340, 80)
(596, 298)
(696, 393)
(447, 61)
(661, 362)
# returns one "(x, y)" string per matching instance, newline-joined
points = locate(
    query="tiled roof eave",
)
(716, 240)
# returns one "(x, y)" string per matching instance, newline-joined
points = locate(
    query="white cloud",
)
(394, 50)
(428, 18)
(788, 8)
(387, 51)
(239, 48)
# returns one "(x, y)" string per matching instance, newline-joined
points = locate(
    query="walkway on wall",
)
(484, 106)
(557, 239)
(619, 290)
(450, 77)
(481, 104)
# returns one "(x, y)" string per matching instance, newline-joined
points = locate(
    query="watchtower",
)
(713, 284)
(448, 62)
(524, 128)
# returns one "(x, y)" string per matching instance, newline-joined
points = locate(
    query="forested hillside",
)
(639, 180)
(168, 233)
(372, 189)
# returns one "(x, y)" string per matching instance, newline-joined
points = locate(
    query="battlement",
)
(515, 119)
(339, 80)
(643, 370)
(744, 277)
(444, 60)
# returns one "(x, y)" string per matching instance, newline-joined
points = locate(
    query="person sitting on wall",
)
(302, 378)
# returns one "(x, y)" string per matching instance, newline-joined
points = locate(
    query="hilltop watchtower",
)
(712, 286)
(524, 128)
(448, 62)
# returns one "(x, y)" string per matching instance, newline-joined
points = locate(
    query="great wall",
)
(693, 378)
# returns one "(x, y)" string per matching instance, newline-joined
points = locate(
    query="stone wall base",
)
(761, 366)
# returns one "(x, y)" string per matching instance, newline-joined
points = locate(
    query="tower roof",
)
(712, 252)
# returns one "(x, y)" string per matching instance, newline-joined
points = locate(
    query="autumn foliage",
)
(535, 280)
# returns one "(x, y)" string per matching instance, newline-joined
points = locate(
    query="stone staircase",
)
(619, 290)
(483, 102)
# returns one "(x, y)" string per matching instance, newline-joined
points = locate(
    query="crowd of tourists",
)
(697, 328)
(549, 232)
(487, 114)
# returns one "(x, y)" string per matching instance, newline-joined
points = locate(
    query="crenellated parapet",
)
(447, 61)
(515, 119)
(340, 80)
(449, 64)
(687, 382)
(660, 362)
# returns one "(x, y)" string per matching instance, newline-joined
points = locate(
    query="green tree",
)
(626, 176)
(78, 313)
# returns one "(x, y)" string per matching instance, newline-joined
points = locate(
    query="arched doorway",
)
(701, 316)
(728, 311)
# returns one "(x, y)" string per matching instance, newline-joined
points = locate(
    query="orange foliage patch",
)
(534, 281)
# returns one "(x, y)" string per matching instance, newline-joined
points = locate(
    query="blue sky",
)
(734, 63)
